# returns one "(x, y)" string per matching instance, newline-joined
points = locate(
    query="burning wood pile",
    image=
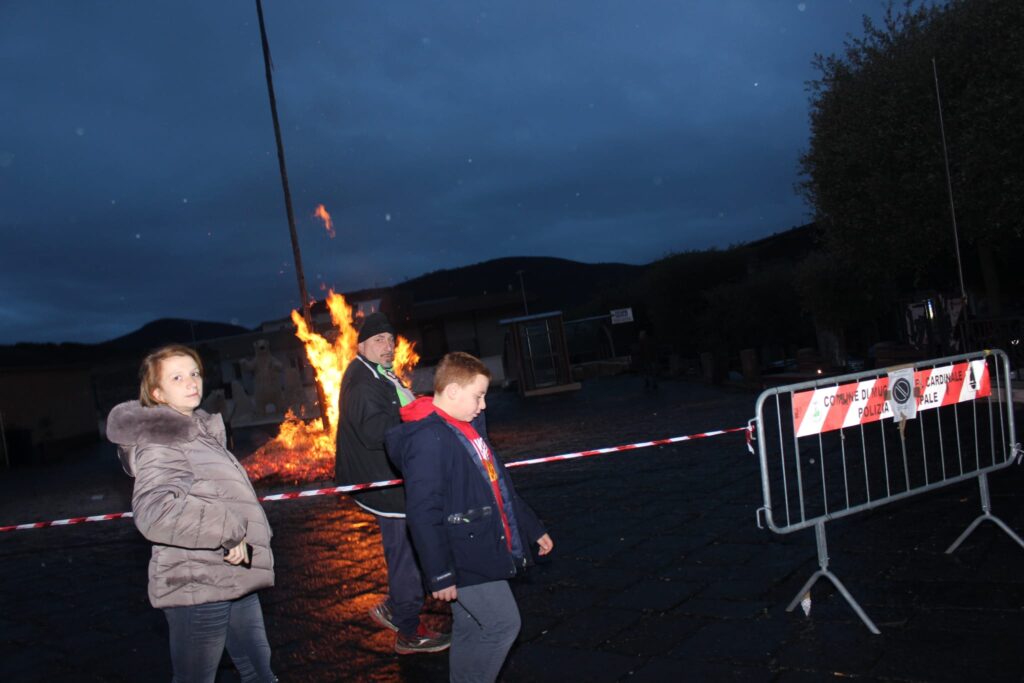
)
(303, 450)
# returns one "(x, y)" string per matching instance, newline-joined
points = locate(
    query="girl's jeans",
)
(199, 634)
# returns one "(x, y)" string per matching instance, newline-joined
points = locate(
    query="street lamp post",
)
(522, 288)
(952, 211)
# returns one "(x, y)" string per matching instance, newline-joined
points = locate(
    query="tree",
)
(874, 171)
(672, 289)
(757, 312)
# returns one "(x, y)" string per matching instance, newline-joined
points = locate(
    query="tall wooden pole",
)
(296, 252)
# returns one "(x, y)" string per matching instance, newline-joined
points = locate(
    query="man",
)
(370, 399)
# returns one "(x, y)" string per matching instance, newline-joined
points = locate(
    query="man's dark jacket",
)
(369, 407)
(458, 543)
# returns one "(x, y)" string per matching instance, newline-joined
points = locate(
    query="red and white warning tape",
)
(66, 522)
(392, 482)
(627, 447)
(328, 491)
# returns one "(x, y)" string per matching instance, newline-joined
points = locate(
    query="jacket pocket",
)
(470, 538)
(469, 516)
(477, 548)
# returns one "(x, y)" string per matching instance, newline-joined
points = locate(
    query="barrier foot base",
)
(842, 589)
(819, 535)
(985, 517)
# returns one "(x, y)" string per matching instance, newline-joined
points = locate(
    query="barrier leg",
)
(985, 516)
(819, 535)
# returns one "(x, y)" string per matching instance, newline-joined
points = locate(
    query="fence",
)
(3, 443)
(831, 448)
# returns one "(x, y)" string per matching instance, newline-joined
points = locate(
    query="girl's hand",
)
(238, 554)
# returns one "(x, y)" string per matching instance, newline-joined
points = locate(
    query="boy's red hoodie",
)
(423, 407)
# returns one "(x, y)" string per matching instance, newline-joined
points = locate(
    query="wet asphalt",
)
(659, 572)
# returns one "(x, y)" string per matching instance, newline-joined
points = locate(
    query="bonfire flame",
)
(406, 359)
(304, 450)
(321, 213)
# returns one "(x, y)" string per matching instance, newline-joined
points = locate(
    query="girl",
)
(193, 500)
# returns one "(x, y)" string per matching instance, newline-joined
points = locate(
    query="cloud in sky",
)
(138, 173)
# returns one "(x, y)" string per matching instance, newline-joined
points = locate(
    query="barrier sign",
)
(621, 315)
(901, 394)
(847, 405)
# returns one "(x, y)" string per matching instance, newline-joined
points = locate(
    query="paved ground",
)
(659, 571)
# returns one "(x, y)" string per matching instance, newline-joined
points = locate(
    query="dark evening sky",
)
(138, 173)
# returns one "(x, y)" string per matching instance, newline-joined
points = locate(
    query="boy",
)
(470, 529)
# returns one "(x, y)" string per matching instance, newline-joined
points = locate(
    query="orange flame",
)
(321, 213)
(304, 451)
(406, 359)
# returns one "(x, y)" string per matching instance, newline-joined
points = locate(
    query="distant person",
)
(647, 360)
(471, 530)
(194, 501)
(370, 398)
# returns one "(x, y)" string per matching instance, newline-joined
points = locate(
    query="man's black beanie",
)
(374, 324)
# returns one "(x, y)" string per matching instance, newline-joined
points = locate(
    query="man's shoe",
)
(381, 613)
(425, 640)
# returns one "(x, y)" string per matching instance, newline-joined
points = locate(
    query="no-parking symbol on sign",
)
(904, 407)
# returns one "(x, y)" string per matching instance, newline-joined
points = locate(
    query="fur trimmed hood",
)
(131, 425)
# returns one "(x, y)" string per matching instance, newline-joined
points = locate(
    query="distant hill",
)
(551, 283)
(575, 288)
(25, 354)
(172, 330)
(150, 335)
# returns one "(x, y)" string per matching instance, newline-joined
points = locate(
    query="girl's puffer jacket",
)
(193, 500)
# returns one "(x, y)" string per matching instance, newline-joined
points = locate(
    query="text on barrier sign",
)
(847, 405)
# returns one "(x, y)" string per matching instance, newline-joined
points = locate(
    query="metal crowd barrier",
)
(830, 448)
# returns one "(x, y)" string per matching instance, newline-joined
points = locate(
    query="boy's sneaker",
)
(381, 613)
(425, 640)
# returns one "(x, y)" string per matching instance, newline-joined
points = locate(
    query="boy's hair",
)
(459, 368)
(149, 372)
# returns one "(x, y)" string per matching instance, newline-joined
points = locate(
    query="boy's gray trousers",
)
(485, 623)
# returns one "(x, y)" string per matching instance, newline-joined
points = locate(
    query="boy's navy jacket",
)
(450, 508)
